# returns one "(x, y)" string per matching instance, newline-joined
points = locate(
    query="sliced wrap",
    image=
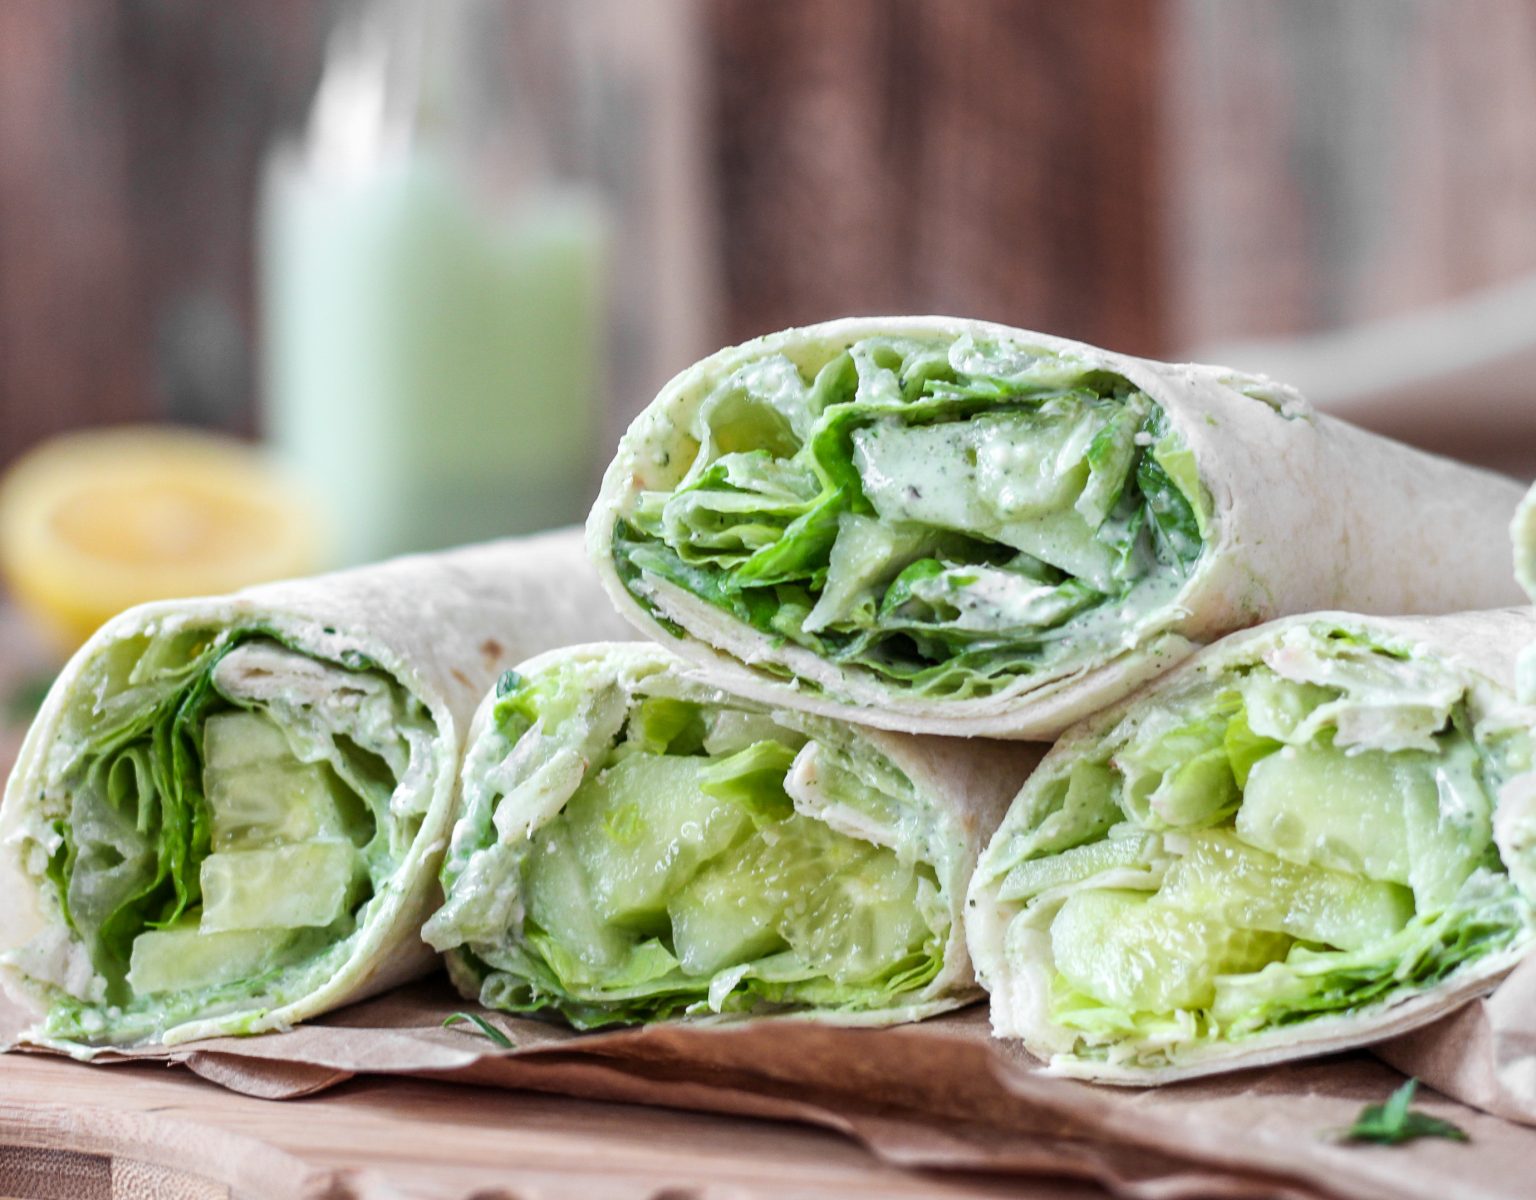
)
(229, 813)
(1315, 834)
(636, 844)
(945, 526)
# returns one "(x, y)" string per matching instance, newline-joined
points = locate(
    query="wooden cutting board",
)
(75, 1132)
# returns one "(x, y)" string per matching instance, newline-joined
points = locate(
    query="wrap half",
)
(229, 813)
(637, 844)
(938, 525)
(1314, 835)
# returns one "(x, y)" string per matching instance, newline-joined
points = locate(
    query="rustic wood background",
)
(1149, 174)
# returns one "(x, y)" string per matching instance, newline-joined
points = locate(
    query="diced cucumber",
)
(185, 959)
(1141, 955)
(259, 794)
(1037, 875)
(860, 921)
(642, 828)
(1250, 889)
(732, 729)
(242, 739)
(282, 887)
(1318, 806)
(725, 915)
(744, 904)
(558, 898)
(798, 854)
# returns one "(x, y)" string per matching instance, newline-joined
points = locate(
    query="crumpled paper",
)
(940, 1095)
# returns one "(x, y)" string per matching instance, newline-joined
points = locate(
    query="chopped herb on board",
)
(1393, 1123)
(480, 1023)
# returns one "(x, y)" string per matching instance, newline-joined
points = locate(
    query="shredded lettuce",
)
(947, 514)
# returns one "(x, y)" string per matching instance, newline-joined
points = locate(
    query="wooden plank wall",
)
(1144, 173)
(986, 158)
(131, 140)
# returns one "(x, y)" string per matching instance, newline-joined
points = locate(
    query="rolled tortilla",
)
(937, 525)
(1313, 835)
(637, 845)
(229, 813)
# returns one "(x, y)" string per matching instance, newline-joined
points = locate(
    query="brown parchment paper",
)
(940, 1095)
(1484, 1053)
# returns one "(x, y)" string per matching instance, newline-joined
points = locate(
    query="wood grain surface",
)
(73, 1132)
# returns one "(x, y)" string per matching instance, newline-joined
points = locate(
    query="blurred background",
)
(436, 255)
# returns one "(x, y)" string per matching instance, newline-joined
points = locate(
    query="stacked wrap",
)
(637, 844)
(229, 813)
(945, 526)
(1315, 834)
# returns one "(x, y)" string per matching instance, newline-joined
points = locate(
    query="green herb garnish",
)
(497, 1037)
(1393, 1123)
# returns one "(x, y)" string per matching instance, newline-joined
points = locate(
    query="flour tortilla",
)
(1308, 513)
(1480, 649)
(443, 625)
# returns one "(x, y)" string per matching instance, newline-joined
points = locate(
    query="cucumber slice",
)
(185, 959)
(861, 921)
(259, 794)
(1318, 806)
(642, 828)
(232, 740)
(1080, 863)
(725, 915)
(1141, 955)
(798, 854)
(283, 887)
(1250, 889)
(747, 902)
(731, 729)
(558, 898)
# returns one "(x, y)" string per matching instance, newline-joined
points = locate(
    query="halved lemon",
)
(92, 523)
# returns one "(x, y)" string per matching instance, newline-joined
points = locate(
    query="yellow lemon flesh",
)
(93, 523)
